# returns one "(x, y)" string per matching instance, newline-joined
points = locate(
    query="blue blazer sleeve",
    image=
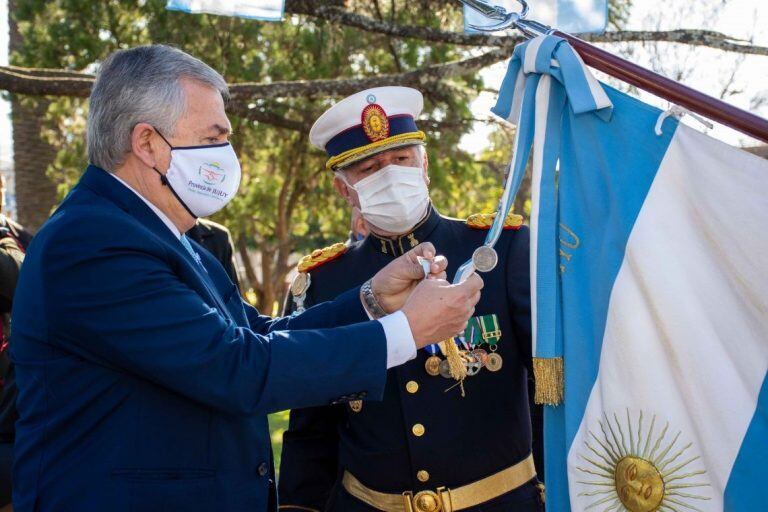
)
(116, 298)
(344, 310)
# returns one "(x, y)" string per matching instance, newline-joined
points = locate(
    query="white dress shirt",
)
(401, 347)
(158, 212)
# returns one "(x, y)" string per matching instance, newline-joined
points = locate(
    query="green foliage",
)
(618, 13)
(286, 203)
(278, 424)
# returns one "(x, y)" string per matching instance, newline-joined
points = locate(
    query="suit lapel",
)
(99, 181)
(102, 183)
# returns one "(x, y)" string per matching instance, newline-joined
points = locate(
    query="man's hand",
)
(393, 284)
(438, 310)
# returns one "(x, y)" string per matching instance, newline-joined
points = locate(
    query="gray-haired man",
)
(144, 379)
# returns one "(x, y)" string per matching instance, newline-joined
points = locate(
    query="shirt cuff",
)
(401, 347)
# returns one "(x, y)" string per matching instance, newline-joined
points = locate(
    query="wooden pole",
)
(663, 87)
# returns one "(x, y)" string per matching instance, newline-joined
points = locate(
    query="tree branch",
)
(693, 37)
(53, 73)
(261, 115)
(42, 83)
(50, 82)
(334, 14)
(342, 87)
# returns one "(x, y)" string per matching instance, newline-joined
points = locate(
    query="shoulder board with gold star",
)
(484, 221)
(321, 256)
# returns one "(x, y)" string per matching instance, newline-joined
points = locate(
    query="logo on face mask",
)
(212, 173)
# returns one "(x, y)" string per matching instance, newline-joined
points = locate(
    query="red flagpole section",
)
(663, 87)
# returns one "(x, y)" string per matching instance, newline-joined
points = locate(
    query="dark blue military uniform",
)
(422, 436)
(14, 240)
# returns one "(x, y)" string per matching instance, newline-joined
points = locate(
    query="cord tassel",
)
(456, 365)
(548, 374)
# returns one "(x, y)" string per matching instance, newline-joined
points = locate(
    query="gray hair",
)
(140, 85)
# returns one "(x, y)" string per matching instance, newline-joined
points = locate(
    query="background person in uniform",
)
(364, 455)
(217, 240)
(13, 241)
(144, 379)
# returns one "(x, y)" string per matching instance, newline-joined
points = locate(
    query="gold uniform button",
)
(423, 476)
(412, 386)
(418, 430)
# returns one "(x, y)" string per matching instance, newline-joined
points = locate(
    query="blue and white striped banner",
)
(268, 10)
(649, 279)
(575, 16)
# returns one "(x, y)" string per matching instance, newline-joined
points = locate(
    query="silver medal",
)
(485, 258)
(299, 289)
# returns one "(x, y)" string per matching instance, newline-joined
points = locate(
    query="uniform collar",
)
(401, 244)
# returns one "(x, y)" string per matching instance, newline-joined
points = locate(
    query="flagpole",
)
(663, 87)
(642, 78)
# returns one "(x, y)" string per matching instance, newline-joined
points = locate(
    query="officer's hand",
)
(438, 310)
(393, 284)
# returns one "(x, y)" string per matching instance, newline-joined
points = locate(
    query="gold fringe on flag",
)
(548, 373)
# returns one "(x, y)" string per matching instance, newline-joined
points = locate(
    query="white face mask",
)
(203, 178)
(393, 199)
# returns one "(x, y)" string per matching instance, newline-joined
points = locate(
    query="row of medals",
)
(474, 360)
(484, 259)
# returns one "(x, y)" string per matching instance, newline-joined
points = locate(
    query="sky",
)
(706, 69)
(745, 19)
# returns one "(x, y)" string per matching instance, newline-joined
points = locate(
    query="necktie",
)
(185, 242)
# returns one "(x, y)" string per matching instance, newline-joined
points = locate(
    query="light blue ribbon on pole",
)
(569, 83)
(544, 75)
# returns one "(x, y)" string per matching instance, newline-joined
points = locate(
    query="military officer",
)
(14, 240)
(433, 443)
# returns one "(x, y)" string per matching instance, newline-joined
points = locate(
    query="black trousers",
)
(6, 463)
(525, 498)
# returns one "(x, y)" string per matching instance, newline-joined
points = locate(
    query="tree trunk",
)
(267, 293)
(251, 281)
(35, 193)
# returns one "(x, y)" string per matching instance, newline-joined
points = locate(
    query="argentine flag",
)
(649, 264)
(268, 10)
(575, 16)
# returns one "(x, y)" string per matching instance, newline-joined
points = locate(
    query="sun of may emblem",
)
(631, 469)
(375, 122)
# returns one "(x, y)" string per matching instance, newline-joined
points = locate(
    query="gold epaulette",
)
(484, 221)
(320, 256)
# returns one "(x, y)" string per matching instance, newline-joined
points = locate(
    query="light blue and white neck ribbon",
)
(185, 242)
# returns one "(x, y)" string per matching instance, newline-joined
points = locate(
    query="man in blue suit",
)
(144, 379)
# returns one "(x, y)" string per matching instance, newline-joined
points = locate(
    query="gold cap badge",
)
(375, 122)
